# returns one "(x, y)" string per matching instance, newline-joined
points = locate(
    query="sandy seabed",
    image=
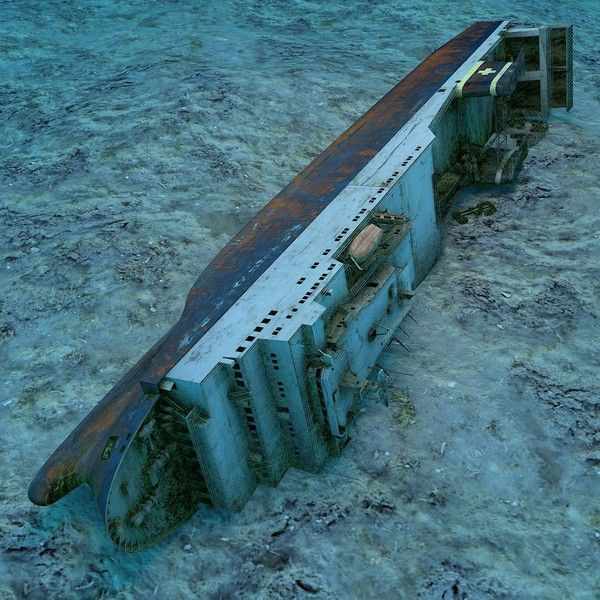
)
(137, 137)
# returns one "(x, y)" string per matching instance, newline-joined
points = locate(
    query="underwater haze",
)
(136, 138)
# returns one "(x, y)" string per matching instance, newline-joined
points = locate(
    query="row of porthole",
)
(308, 294)
(374, 198)
(290, 316)
(258, 329)
(314, 287)
(341, 234)
(361, 212)
(239, 378)
(409, 158)
(396, 173)
(275, 364)
(274, 361)
(281, 389)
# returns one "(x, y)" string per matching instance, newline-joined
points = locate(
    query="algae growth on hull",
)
(137, 139)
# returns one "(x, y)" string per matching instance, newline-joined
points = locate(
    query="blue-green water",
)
(136, 138)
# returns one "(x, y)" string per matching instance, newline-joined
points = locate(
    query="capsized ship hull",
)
(280, 335)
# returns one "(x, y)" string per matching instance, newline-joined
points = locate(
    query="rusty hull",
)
(122, 411)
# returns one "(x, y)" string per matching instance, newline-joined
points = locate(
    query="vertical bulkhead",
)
(413, 197)
(417, 188)
(268, 450)
(285, 362)
(218, 433)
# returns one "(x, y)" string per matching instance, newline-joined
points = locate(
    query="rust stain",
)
(260, 242)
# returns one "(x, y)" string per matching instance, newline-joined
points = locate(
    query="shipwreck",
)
(279, 339)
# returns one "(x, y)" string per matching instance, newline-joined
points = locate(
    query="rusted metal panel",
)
(110, 426)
